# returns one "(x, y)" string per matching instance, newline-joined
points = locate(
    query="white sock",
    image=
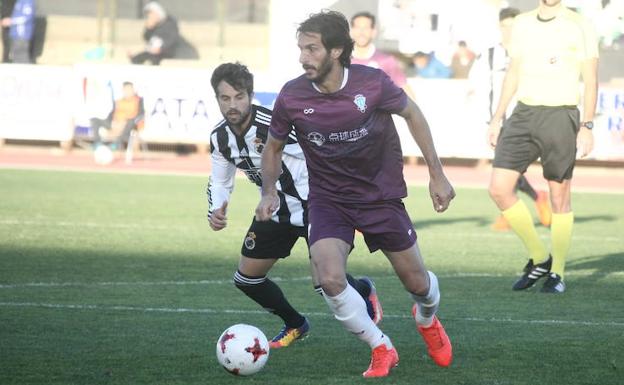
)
(349, 308)
(428, 305)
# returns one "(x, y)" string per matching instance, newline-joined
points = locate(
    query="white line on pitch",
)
(313, 314)
(276, 279)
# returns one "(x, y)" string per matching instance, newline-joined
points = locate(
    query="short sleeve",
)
(590, 40)
(393, 98)
(280, 122)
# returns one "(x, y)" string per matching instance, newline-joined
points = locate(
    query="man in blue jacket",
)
(21, 27)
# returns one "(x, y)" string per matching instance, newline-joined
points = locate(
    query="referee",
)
(551, 47)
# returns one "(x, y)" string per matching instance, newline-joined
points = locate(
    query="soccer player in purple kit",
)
(341, 114)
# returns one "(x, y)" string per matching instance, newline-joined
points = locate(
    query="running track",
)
(590, 179)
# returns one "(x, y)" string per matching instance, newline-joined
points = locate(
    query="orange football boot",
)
(382, 360)
(438, 343)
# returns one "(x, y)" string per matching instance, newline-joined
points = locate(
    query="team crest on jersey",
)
(250, 240)
(316, 138)
(360, 102)
(258, 145)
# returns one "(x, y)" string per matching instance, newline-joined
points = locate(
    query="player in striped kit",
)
(237, 143)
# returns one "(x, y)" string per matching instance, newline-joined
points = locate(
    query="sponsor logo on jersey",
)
(250, 240)
(360, 102)
(348, 136)
(316, 138)
(308, 111)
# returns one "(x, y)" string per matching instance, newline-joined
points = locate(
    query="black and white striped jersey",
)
(231, 151)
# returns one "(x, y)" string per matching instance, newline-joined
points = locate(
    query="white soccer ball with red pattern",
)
(243, 349)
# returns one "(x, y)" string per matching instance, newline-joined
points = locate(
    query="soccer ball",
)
(103, 155)
(242, 349)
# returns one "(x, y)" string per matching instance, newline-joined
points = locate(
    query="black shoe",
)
(532, 273)
(554, 284)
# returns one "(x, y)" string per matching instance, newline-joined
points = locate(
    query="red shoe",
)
(382, 360)
(438, 343)
(543, 208)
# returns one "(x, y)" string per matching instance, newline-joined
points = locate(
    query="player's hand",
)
(267, 206)
(441, 193)
(218, 219)
(493, 132)
(584, 142)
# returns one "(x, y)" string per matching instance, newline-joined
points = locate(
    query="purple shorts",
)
(385, 225)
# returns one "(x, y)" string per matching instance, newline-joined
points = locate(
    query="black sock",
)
(524, 186)
(359, 286)
(267, 294)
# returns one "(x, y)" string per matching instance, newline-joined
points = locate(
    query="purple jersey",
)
(348, 137)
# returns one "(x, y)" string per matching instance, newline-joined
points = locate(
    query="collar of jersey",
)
(345, 77)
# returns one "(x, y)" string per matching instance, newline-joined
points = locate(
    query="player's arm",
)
(440, 189)
(271, 169)
(220, 186)
(510, 85)
(589, 72)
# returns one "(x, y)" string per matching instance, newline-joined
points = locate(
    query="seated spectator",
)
(21, 26)
(462, 61)
(426, 65)
(161, 35)
(127, 115)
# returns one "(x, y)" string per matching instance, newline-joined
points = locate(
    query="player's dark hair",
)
(365, 14)
(235, 74)
(127, 83)
(507, 13)
(334, 30)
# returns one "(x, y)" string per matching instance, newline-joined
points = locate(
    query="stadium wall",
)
(54, 103)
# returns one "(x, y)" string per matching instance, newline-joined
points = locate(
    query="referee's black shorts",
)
(268, 240)
(544, 132)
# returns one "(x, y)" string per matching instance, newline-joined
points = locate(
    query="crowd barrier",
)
(51, 103)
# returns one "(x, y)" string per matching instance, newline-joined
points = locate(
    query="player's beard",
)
(321, 72)
(238, 118)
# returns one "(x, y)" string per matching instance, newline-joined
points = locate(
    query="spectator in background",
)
(161, 35)
(363, 32)
(21, 27)
(426, 65)
(127, 115)
(6, 8)
(462, 61)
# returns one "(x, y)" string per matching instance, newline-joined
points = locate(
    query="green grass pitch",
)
(118, 279)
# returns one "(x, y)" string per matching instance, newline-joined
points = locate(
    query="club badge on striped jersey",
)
(250, 240)
(258, 145)
(360, 102)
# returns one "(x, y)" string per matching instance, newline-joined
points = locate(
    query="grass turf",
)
(117, 279)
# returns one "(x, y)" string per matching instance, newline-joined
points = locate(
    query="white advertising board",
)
(36, 102)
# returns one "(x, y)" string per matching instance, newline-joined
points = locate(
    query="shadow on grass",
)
(602, 265)
(592, 218)
(477, 221)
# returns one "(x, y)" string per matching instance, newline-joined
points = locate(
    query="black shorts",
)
(268, 240)
(544, 132)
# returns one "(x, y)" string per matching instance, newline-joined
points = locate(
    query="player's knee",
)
(333, 285)
(497, 193)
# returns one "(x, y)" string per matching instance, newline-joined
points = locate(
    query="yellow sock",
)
(561, 235)
(521, 222)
